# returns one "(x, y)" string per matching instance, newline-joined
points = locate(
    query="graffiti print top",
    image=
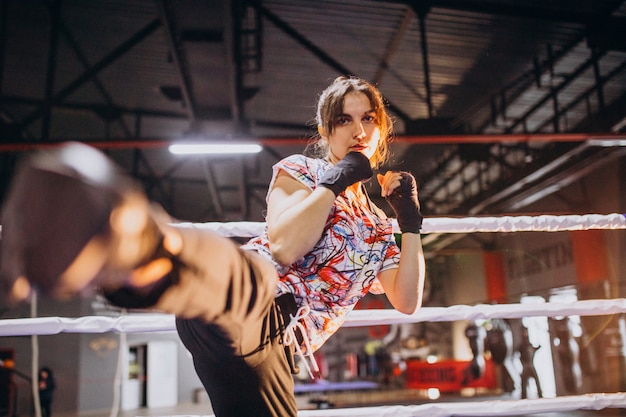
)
(356, 244)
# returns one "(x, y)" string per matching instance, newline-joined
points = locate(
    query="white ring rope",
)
(480, 408)
(540, 223)
(359, 318)
(144, 323)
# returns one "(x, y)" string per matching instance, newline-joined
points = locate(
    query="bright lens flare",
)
(214, 148)
(433, 393)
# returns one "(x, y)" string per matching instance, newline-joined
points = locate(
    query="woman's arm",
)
(296, 217)
(404, 286)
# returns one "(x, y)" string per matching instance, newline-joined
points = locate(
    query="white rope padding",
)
(480, 408)
(359, 318)
(541, 223)
(144, 323)
(139, 323)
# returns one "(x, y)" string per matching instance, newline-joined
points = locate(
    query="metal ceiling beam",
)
(152, 181)
(553, 91)
(236, 18)
(535, 177)
(242, 185)
(90, 73)
(166, 11)
(518, 86)
(3, 37)
(422, 9)
(561, 179)
(392, 46)
(530, 10)
(533, 11)
(145, 143)
(75, 47)
(53, 44)
(588, 92)
(317, 51)
(100, 109)
(384, 64)
(214, 193)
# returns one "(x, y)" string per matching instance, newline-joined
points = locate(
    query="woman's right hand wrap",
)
(405, 204)
(352, 168)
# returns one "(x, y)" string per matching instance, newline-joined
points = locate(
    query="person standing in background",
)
(46, 391)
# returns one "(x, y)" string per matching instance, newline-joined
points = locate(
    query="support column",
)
(602, 341)
(495, 278)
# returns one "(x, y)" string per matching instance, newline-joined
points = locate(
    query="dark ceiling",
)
(494, 100)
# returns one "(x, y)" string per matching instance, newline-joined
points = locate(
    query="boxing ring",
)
(151, 322)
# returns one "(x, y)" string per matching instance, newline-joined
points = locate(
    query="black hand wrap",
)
(352, 168)
(130, 296)
(405, 204)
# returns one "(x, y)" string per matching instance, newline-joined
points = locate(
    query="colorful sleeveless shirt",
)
(356, 244)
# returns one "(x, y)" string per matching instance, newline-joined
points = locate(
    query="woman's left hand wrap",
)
(405, 204)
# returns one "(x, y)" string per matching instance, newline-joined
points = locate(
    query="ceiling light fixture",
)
(608, 143)
(214, 148)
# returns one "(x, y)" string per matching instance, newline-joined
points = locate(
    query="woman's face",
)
(356, 129)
